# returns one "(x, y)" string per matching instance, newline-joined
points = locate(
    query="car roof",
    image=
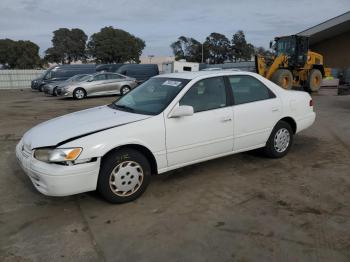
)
(193, 75)
(72, 66)
(139, 65)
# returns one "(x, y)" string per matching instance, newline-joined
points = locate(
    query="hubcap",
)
(126, 178)
(79, 94)
(281, 140)
(125, 90)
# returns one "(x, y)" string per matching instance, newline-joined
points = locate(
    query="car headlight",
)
(57, 154)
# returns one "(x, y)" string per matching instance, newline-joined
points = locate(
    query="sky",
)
(161, 22)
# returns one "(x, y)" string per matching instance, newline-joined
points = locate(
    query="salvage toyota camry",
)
(168, 122)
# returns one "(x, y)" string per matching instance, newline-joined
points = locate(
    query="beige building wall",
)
(159, 60)
(335, 50)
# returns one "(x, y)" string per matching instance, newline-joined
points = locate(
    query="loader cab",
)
(294, 47)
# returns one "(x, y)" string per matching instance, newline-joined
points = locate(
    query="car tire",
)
(280, 140)
(283, 78)
(79, 93)
(314, 81)
(124, 90)
(124, 176)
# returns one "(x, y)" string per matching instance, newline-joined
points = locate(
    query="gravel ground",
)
(238, 208)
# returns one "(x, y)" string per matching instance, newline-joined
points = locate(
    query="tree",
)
(189, 49)
(19, 54)
(67, 46)
(241, 50)
(219, 48)
(7, 52)
(263, 52)
(27, 55)
(112, 45)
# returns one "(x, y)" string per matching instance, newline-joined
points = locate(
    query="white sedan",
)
(168, 122)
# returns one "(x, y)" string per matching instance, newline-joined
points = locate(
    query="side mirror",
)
(181, 111)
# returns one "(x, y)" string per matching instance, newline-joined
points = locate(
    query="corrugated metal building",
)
(332, 39)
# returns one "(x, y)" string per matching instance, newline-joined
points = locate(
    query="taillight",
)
(311, 103)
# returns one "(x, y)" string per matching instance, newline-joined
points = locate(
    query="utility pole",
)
(202, 53)
(150, 58)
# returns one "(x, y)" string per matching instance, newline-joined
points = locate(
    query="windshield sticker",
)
(171, 83)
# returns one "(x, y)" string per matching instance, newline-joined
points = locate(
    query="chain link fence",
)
(12, 79)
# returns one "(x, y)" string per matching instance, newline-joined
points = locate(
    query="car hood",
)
(37, 79)
(62, 84)
(74, 125)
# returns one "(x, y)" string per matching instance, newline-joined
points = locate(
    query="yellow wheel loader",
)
(293, 64)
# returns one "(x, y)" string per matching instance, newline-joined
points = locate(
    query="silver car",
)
(51, 88)
(98, 84)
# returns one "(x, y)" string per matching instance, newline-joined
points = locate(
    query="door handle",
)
(226, 119)
(274, 109)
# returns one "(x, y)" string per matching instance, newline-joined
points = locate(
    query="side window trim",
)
(229, 92)
(271, 93)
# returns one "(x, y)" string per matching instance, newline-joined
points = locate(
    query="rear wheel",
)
(79, 93)
(124, 176)
(314, 81)
(283, 78)
(124, 90)
(280, 140)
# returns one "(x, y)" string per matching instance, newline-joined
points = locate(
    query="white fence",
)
(11, 79)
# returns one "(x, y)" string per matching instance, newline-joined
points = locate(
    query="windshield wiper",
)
(123, 107)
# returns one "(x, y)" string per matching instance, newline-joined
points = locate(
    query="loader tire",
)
(314, 81)
(283, 78)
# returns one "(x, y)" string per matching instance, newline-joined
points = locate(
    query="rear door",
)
(256, 110)
(113, 83)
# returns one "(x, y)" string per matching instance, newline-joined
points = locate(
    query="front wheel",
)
(79, 93)
(124, 90)
(280, 140)
(54, 92)
(124, 176)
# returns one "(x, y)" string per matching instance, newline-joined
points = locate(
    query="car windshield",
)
(285, 46)
(43, 74)
(151, 97)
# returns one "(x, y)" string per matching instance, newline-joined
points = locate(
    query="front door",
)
(208, 132)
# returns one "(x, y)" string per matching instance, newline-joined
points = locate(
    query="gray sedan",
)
(98, 84)
(51, 88)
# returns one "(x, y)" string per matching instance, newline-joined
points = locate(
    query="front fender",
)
(149, 133)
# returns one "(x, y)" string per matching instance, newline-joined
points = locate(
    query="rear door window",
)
(248, 89)
(100, 77)
(114, 76)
